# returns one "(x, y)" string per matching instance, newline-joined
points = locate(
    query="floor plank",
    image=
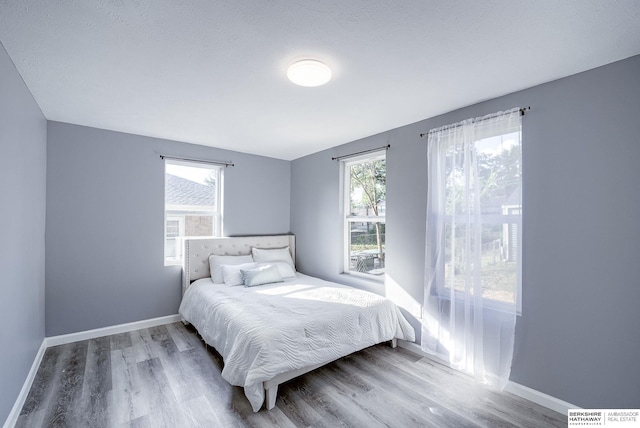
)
(93, 408)
(165, 376)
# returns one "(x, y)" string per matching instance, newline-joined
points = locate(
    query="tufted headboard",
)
(198, 250)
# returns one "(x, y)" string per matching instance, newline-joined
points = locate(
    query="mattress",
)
(268, 330)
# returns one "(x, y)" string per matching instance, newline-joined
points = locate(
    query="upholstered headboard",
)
(198, 250)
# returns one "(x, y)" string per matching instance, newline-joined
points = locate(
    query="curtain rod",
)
(210, 162)
(490, 116)
(362, 152)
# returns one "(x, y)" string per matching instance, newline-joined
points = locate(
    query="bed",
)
(273, 332)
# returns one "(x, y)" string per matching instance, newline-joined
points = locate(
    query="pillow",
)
(262, 275)
(286, 271)
(216, 261)
(262, 255)
(231, 273)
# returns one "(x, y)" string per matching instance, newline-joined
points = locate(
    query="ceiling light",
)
(309, 72)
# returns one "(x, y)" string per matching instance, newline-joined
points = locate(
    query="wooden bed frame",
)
(196, 266)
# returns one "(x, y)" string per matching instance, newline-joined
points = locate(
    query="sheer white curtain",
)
(473, 244)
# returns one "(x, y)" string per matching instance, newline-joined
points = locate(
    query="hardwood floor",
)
(166, 377)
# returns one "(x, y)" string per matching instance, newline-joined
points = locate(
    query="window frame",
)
(181, 217)
(347, 218)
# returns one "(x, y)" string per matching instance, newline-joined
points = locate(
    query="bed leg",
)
(394, 342)
(270, 397)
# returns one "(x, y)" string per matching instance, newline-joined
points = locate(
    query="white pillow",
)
(216, 261)
(286, 271)
(231, 273)
(264, 255)
(267, 274)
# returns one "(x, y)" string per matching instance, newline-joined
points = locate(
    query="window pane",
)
(366, 247)
(191, 187)
(498, 258)
(495, 176)
(499, 173)
(368, 189)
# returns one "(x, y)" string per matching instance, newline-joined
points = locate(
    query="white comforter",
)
(271, 329)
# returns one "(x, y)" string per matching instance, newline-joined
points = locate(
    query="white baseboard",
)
(22, 397)
(75, 337)
(106, 331)
(540, 398)
(514, 388)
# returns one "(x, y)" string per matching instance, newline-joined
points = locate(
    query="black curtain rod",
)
(362, 152)
(522, 112)
(210, 162)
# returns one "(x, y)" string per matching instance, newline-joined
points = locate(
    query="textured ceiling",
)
(214, 72)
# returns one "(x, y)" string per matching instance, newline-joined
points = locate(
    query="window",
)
(365, 190)
(192, 198)
(479, 177)
(499, 187)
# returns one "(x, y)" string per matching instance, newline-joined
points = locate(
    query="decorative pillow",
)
(262, 275)
(216, 261)
(286, 271)
(232, 275)
(264, 255)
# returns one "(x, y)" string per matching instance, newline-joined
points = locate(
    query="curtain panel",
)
(473, 244)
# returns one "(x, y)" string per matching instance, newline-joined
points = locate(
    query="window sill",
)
(172, 263)
(373, 283)
(491, 305)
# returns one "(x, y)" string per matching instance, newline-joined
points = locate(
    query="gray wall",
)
(577, 338)
(23, 156)
(105, 211)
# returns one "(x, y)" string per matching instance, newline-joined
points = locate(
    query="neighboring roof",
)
(515, 198)
(195, 71)
(180, 191)
(496, 204)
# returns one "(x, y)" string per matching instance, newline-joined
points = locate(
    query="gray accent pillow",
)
(267, 274)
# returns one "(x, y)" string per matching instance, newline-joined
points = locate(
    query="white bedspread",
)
(267, 330)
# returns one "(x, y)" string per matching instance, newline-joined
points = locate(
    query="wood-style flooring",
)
(165, 376)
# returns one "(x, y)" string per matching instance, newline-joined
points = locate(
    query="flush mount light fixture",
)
(309, 72)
